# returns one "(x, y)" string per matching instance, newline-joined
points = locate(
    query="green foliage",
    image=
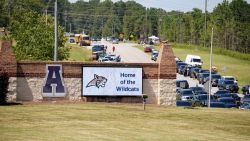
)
(35, 39)
(230, 20)
(219, 51)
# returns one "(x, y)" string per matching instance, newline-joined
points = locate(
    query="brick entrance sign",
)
(27, 78)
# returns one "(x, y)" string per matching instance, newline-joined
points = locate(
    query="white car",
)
(230, 78)
(193, 60)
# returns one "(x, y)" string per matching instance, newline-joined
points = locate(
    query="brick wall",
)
(27, 77)
(167, 65)
(74, 69)
(7, 58)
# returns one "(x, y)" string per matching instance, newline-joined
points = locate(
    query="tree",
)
(35, 39)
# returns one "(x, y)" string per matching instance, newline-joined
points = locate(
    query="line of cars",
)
(99, 54)
(151, 49)
(225, 97)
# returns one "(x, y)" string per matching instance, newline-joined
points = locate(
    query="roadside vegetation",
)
(227, 62)
(96, 121)
(78, 53)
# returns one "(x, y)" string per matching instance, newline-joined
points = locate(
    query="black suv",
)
(228, 85)
(181, 84)
(214, 79)
(246, 89)
(194, 72)
(202, 77)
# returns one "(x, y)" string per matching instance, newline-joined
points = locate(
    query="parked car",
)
(229, 78)
(193, 60)
(202, 77)
(185, 94)
(214, 79)
(149, 48)
(179, 64)
(221, 92)
(232, 95)
(198, 90)
(228, 101)
(246, 98)
(181, 69)
(181, 84)
(245, 105)
(180, 103)
(202, 100)
(71, 40)
(229, 85)
(217, 105)
(187, 70)
(246, 89)
(154, 55)
(194, 72)
(115, 41)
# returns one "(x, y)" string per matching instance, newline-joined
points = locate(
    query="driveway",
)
(128, 53)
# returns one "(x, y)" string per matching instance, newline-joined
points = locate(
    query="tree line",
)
(230, 20)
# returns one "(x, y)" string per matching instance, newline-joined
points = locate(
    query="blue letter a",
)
(54, 84)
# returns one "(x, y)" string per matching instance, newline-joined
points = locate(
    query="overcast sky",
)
(181, 5)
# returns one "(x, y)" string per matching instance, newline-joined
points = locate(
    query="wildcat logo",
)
(98, 81)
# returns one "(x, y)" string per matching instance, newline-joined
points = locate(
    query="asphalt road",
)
(127, 52)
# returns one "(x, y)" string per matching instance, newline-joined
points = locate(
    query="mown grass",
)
(233, 66)
(116, 122)
(78, 53)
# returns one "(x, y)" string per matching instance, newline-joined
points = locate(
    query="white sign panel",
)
(111, 81)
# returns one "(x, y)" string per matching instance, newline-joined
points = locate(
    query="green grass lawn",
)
(116, 122)
(78, 53)
(235, 67)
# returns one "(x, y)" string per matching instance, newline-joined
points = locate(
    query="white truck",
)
(194, 60)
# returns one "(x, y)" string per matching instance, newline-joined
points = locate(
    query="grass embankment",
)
(109, 122)
(78, 53)
(235, 66)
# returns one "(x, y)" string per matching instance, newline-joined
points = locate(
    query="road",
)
(127, 52)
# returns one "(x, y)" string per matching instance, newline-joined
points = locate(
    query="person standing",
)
(113, 49)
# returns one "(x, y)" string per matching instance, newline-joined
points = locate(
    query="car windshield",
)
(205, 74)
(216, 76)
(181, 63)
(229, 82)
(196, 60)
(181, 84)
(196, 69)
(230, 78)
(187, 92)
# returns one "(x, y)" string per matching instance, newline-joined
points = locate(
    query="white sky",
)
(180, 5)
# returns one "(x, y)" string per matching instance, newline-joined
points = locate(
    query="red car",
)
(148, 48)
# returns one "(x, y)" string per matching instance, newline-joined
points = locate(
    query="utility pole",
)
(65, 20)
(46, 12)
(56, 44)
(70, 28)
(210, 72)
(205, 23)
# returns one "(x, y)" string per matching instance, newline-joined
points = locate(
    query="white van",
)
(194, 60)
